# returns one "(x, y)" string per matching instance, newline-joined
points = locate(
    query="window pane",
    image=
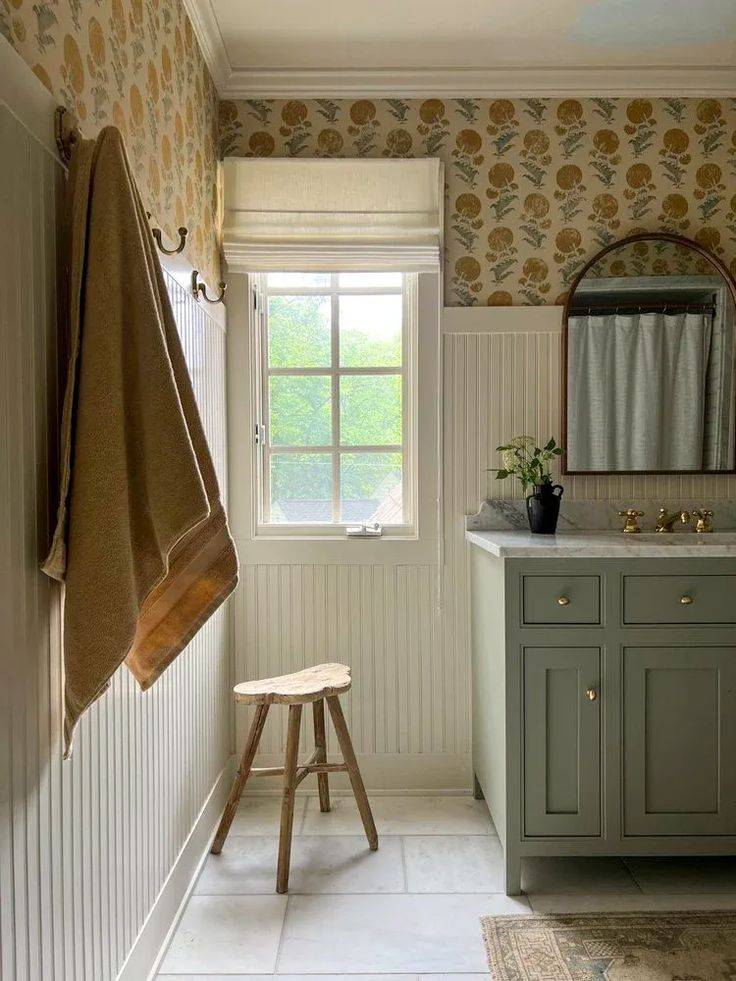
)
(370, 410)
(370, 488)
(301, 487)
(370, 331)
(299, 332)
(280, 280)
(300, 410)
(391, 279)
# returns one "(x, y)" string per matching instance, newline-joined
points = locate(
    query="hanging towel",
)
(141, 541)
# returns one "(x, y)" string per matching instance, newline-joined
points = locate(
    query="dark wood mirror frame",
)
(717, 265)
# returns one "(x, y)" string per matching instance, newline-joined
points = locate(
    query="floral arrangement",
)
(522, 458)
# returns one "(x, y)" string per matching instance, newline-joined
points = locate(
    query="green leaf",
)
(502, 474)
(550, 445)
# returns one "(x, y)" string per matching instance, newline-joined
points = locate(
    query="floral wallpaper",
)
(533, 186)
(137, 65)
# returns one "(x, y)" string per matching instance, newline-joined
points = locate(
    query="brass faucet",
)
(631, 525)
(666, 521)
(703, 523)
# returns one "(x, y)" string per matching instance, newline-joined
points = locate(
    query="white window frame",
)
(264, 529)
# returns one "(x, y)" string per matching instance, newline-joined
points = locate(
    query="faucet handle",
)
(631, 525)
(702, 517)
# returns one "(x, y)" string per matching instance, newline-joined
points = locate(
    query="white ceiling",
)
(477, 47)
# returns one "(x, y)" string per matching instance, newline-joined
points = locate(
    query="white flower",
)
(522, 442)
(509, 457)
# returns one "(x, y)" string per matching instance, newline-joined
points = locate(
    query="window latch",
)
(365, 531)
(259, 434)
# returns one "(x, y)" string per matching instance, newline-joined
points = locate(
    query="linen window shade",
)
(332, 214)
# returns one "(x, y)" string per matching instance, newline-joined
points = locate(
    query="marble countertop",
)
(603, 544)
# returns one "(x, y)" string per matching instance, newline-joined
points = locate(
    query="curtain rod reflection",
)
(601, 309)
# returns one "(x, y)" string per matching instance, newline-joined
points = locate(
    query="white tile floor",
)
(408, 912)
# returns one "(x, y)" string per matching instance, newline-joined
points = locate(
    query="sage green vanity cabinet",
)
(604, 704)
(690, 599)
(562, 741)
(561, 600)
(679, 712)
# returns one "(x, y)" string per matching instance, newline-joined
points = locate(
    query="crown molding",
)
(207, 32)
(422, 83)
(512, 82)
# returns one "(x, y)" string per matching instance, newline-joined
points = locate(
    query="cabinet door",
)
(562, 741)
(679, 740)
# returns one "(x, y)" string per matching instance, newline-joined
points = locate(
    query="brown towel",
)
(141, 540)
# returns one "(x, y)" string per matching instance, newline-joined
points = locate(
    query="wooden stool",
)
(315, 685)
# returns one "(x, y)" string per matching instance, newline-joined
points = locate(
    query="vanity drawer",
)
(679, 599)
(561, 600)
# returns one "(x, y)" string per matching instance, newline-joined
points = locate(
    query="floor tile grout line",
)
(361, 834)
(281, 936)
(303, 818)
(406, 892)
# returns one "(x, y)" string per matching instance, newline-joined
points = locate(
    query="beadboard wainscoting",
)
(96, 852)
(403, 629)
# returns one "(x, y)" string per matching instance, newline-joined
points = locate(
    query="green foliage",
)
(523, 459)
(369, 476)
(301, 476)
(370, 410)
(300, 410)
(358, 350)
(299, 332)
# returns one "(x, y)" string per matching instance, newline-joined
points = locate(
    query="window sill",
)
(332, 533)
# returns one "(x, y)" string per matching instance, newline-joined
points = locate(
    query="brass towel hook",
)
(66, 132)
(198, 288)
(157, 234)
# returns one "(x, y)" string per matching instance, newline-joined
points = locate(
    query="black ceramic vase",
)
(543, 508)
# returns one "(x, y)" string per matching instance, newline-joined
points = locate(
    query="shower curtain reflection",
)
(639, 390)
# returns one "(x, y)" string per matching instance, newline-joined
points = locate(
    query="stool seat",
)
(310, 685)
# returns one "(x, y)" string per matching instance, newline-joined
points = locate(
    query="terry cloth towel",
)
(141, 541)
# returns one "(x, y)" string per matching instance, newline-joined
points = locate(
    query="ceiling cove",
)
(579, 47)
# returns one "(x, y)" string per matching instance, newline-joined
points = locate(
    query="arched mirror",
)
(649, 360)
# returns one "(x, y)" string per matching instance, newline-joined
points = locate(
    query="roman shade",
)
(332, 214)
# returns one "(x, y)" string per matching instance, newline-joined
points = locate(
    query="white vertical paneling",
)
(85, 845)
(410, 662)
(288, 616)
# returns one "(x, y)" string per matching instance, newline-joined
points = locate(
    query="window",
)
(335, 403)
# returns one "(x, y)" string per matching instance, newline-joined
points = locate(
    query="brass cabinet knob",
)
(686, 600)
(592, 694)
(563, 600)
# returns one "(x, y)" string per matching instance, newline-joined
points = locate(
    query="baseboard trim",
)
(389, 774)
(148, 948)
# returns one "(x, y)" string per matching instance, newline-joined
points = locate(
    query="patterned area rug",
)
(689, 946)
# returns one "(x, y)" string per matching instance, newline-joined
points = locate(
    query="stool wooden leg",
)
(287, 804)
(251, 745)
(356, 781)
(320, 744)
